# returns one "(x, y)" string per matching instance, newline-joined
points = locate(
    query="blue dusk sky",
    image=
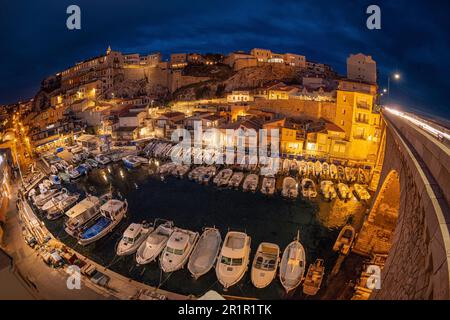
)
(414, 39)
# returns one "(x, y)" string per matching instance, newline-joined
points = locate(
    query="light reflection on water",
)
(195, 206)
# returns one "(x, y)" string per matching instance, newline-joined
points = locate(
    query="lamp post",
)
(396, 76)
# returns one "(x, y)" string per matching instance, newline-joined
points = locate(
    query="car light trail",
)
(422, 124)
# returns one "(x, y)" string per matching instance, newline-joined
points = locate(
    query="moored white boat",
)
(223, 177)
(42, 198)
(268, 185)
(205, 252)
(345, 240)
(265, 264)
(236, 180)
(150, 249)
(290, 188)
(341, 173)
(53, 201)
(82, 213)
(302, 168)
(317, 168)
(286, 165)
(325, 170)
(132, 238)
(131, 161)
(311, 170)
(292, 265)
(361, 192)
(233, 260)
(177, 250)
(333, 172)
(102, 159)
(362, 176)
(328, 190)
(250, 183)
(207, 174)
(58, 210)
(343, 191)
(308, 188)
(314, 277)
(111, 213)
(348, 174)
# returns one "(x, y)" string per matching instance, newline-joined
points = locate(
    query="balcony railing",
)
(364, 106)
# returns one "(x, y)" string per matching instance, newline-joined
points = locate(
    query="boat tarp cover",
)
(101, 224)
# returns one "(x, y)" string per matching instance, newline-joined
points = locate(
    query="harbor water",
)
(193, 206)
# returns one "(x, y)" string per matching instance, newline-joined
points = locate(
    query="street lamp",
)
(397, 77)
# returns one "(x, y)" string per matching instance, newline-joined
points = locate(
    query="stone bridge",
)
(410, 219)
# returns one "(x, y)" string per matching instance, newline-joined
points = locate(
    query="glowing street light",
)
(396, 77)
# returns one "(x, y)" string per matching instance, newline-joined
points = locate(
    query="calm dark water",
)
(195, 206)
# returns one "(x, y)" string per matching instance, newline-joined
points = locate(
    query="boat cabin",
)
(83, 211)
(177, 243)
(132, 233)
(112, 208)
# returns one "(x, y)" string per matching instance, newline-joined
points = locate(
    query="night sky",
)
(414, 39)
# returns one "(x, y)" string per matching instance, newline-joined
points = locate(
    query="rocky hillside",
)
(248, 78)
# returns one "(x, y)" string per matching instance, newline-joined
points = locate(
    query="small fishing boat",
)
(341, 173)
(333, 172)
(290, 188)
(47, 183)
(265, 264)
(317, 168)
(343, 191)
(53, 201)
(268, 185)
(73, 173)
(81, 213)
(131, 161)
(180, 170)
(57, 211)
(345, 240)
(177, 250)
(193, 175)
(236, 180)
(354, 174)
(55, 179)
(293, 166)
(150, 249)
(54, 169)
(42, 198)
(102, 159)
(167, 168)
(111, 213)
(308, 188)
(348, 174)
(325, 170)
(132, 238)
(250, 183)
(311, 170)
(362, 176)
(328, 190)
(233, 259)
(360, 192)
(303, 168)
(207, 174)
(314, 278)
(205, 252)
(292, 265)
(286, 166)
(92, 163)
(223, 177)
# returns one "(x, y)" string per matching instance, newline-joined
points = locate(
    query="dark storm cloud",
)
(414, 38)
